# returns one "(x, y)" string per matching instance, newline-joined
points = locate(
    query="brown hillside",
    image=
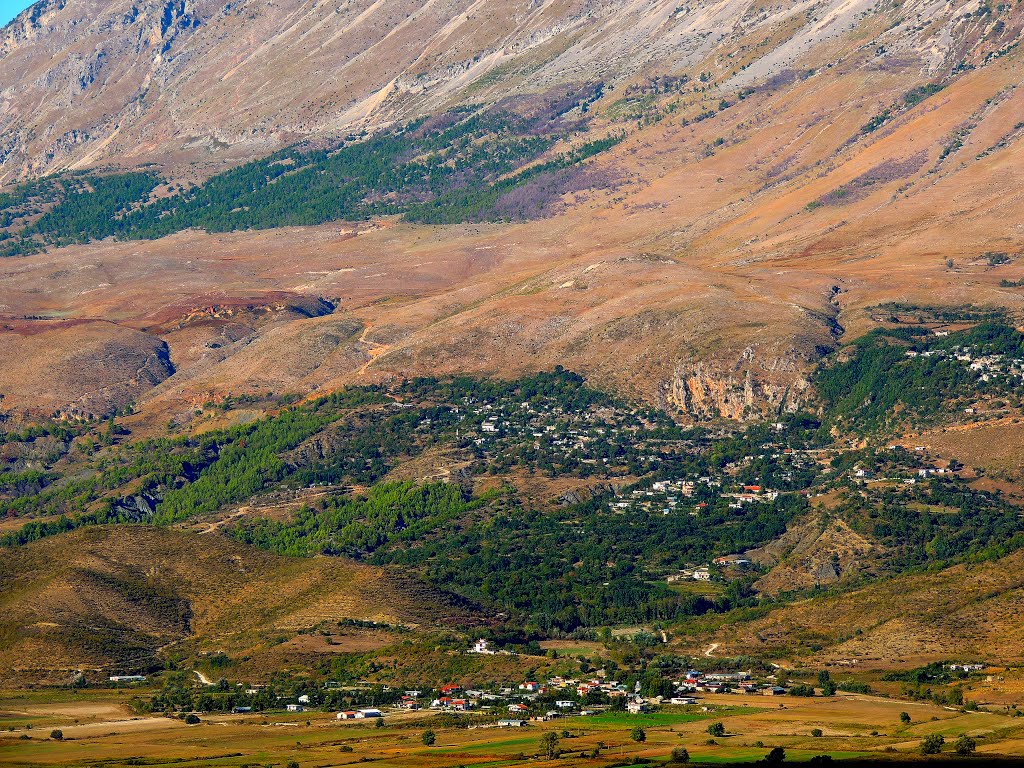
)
(112, 598)
(963, 612)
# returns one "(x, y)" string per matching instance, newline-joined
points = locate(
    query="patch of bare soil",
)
(340, 641)
(995, 446)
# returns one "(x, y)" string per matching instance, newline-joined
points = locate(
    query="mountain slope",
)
(784, 171)
(134, 81)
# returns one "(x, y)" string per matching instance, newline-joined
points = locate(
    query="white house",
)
(295, 708)
(363, 714)
(482, 646)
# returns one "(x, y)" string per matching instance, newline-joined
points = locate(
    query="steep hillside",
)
(79, 368)
(784, 171)
(115, 598)
(816, 550)
(86, 81)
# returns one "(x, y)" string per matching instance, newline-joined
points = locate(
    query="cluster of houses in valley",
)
(516, 705)
(729, 682)
(665, 496)
(558, 697)
(620, 441)
(910, 466)
(551, 429)
(568, 429)
(692, 496)
(751, 494)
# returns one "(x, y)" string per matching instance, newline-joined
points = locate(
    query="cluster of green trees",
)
(186, 475)
(900, 312)
(83, 500)
(935, 523)
(567, 403)
(195, 474)
(17, 207)
(248, 460)
(60, 430)
(27, 483)
(584, 565)
(557, 387)
(581, 565)
(361, 525)
(366, 446)
(93, 207)
(877, 386)
(933, 673)
(910, 99)
(179, 694)
(465, 165)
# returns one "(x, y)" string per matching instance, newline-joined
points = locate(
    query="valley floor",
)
(99, 729)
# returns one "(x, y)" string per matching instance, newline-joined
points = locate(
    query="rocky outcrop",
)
(120, 373)
(816, 550)
(137, 509)
(30, 25)
(743, 391)
(584, 493)
(253, 312)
